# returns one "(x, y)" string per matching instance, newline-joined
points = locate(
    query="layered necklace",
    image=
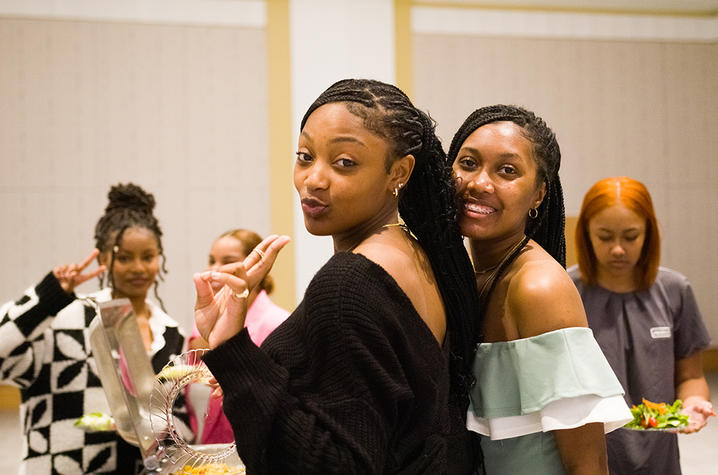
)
(492, 271)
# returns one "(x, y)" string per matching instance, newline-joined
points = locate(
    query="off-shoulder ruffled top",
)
(556, 380)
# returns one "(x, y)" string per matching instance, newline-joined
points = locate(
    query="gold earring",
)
(396, 190)
(533, 213)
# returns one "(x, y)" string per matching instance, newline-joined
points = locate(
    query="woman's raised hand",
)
(220, 316)
(70, 275)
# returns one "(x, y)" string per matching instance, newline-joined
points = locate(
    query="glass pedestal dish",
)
(142, 403)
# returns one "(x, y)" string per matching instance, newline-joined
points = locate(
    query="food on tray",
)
(173, 373)
(95, 422)
(657, 416)
(211, 469)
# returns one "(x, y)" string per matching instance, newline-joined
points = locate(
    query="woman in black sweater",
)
(357, 380)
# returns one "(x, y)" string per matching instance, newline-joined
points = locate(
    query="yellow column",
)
(280, 147)
(403, 50)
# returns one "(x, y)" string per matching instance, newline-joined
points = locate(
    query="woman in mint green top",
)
(544, 393)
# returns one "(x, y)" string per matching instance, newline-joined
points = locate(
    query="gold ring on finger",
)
(241, 295)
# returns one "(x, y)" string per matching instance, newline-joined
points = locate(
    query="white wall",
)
(177, 107)
(333, 40)
(626, 95)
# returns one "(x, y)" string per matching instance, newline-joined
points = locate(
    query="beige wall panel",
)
(180, 110)
(643, 109)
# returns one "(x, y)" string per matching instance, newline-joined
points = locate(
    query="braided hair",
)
(547, 228)
(427, 203)
(129, 206)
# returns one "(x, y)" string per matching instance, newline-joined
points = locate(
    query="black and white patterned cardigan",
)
(45, 351)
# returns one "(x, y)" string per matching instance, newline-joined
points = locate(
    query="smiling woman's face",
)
(136, 263)
(617, 235)
(340, 172)
(496, 181)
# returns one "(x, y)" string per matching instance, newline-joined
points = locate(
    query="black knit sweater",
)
(352, 382)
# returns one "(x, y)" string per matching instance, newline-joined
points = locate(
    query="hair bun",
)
(130, 196)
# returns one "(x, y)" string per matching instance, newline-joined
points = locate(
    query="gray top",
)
(642, 335)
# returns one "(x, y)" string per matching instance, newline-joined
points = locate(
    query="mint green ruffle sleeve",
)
(522, 376)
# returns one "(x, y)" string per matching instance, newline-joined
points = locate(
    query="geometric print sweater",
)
(45, 351)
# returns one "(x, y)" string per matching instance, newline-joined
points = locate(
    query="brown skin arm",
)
(542, 288)
(692, 388)
(583, 449)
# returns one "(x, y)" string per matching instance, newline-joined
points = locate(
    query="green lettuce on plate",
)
(657, 416)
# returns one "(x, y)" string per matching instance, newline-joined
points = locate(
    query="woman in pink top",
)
(263, 317)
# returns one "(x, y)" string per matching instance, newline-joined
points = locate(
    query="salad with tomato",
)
(657, 416)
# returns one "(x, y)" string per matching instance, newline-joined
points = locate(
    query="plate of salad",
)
(658, 416)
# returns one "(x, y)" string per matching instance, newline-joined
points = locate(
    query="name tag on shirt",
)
(661, 332)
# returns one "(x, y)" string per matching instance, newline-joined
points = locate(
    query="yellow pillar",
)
(280, 147)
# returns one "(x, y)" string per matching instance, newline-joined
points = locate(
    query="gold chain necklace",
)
(495, 269)
(401, 225)
(488, 269)
(396, 225)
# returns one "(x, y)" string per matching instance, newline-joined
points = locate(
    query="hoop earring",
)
(533, 213)
(396, 190)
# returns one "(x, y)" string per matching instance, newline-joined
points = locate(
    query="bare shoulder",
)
(397, 260)
(407, 264)
(541, 296)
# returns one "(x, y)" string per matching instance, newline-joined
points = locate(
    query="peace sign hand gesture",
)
(220, 316)
(70, 275)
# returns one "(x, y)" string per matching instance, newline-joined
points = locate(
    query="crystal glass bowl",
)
(179, 454)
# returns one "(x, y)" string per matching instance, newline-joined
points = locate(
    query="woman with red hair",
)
(645, 319)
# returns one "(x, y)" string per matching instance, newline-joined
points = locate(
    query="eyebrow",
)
(476, 152)
(338, 139)
(623, 230)
(346, 138)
